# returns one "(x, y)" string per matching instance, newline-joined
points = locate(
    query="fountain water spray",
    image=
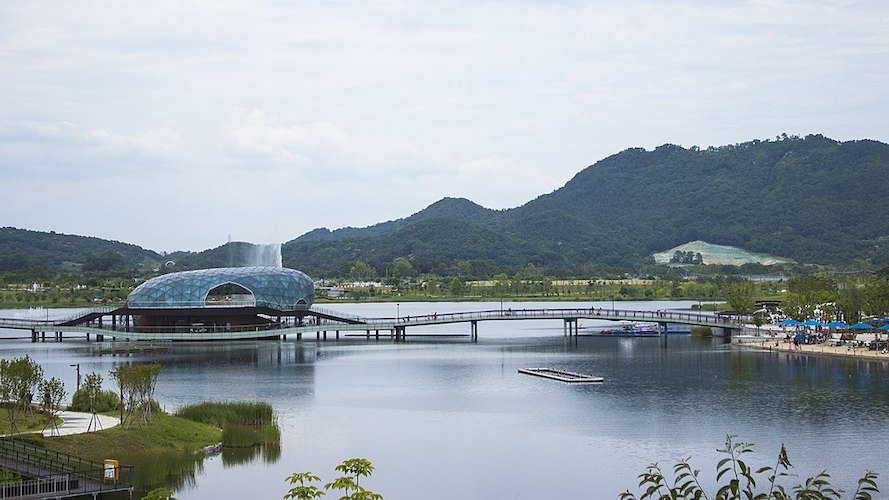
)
(265, 255)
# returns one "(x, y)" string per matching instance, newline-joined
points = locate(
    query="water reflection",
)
(453, 419)
(233, 457)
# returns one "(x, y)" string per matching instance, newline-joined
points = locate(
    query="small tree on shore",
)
(136, 384)
(51, 393)
(18, 380)
(739, 296)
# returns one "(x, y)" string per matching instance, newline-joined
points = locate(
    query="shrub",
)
(737, 479)
(237, 413)
(701, 331)
(106, 401)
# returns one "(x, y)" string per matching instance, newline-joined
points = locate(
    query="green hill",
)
(38, 253)
(812, 200)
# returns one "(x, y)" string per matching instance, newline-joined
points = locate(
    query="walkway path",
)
(75, 422)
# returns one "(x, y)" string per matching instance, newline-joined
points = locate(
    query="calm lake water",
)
(444, 418)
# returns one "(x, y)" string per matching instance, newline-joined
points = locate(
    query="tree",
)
(18, 380)
(457, 288)
(739, 296)
(51, 393)
(90, 397)
(851, 301)
(136, 384)
(402, 268)
(362, 271)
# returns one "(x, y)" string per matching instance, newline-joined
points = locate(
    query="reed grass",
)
(243, 424)
(235, 413)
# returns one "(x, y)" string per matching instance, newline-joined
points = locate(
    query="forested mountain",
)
(812, 199)
(38, 253)
(457, 209)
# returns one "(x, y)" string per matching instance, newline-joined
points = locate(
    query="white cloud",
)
(254, 133)
(37, 149)
(375, 110)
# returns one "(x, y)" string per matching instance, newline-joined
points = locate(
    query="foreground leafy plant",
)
(736, 480)
(354, 469)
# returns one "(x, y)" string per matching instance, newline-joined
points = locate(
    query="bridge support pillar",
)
(473, 331)
(43, 336)
(399, 333)
(34, 336)
(299, 336)
(337, 334)
(377, 333)
(570, 327)
(100, 338)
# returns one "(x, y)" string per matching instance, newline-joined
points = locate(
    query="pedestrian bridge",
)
(321, 322)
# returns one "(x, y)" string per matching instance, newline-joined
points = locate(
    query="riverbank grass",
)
(163, 432)
(244, 424)
(36, 420)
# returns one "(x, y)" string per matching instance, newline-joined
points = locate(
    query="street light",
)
(397, 312)
(78, 375)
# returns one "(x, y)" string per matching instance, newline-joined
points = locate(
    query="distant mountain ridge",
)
(459, 209)
(799, 198)
(812, 199)
(41, 252)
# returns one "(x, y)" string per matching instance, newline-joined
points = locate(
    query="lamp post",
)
(397, 312)
(78, 375)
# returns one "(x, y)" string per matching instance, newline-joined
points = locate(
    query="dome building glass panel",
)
(273, 287)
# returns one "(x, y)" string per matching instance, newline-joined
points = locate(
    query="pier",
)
(562, 375)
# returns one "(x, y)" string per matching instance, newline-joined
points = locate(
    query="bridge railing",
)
(39, 462)
(338, 314)
(334, 319)
(86, 312)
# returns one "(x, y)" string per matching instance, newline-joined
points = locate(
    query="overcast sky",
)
(175, 125)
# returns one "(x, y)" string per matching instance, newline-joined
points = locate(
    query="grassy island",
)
(167, 450)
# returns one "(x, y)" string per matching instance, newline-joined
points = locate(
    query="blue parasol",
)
(811, 322)
(862, 326)
(837, 324)
(789, 322)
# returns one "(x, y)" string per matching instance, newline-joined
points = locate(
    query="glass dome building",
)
(221, 300)
(276, 288)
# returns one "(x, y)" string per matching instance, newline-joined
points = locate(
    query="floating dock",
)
(561, 375)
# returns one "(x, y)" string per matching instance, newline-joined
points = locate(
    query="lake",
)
(444, 417)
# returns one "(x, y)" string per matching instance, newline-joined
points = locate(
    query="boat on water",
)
(643, 329)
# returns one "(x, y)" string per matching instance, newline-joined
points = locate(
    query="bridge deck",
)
(331, 321)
